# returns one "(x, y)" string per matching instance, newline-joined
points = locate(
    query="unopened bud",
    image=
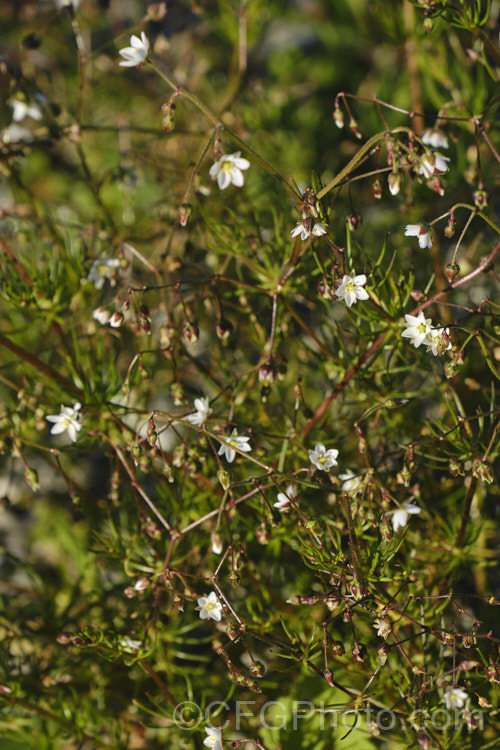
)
(157, 11)
(185, 210)
(224, 478)
(262, 534)
(190, 332)
(257, 669)
(383, 652)
(377, 189)
(355, 128)
(141, 584)
(354, 220)
(480, 198)
(337, 648)
(394, 181)
(223, 329)
(266, 374)
(328, 675)
(428, 25)
(116, 320)
(338, 117)
(32, 479)
(451, 271)
(456, 468)
(216, 541)
(424, 741)
(436, 185)
(493, 673)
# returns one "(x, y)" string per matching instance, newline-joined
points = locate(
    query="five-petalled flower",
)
(107, 268)
(351, 288)
(323, 459)
(228, 169)
(351, 483)
(136, 53)
(419, 328)
(240, 442)
(307, 227)
(455, 698)
(214, 739)
(421, 231)
(202, 411)
(210, 607)
(400, 517)
(69, 420)
(433, 164)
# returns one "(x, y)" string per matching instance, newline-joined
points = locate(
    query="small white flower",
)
(102, 270)
(284, 498)
(418, 329)
(136, 53)
(351, 483)
(67, 4)
(455, 698)
(435, 138)
(422, 232)
(383, 627)
(433, 164)
(438, 341)
(69, 420)
(323, 459)
(351, 288)
(228, 169)
(307, 227)
(238, 441)
(214, 739)
(101, 315)
(21, 109)
(201, 413)
(130, 645)
(400, 517)
(210, 607)
(15, 133)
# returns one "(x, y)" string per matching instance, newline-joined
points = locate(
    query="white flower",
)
(214, 739)
(130, 645)
(435, 138)
(351, 288)
(69, 420)
(351, 483)
(421, 231)
(15, 133)
(137, 52)
(383, 627)
(102, 270)
(400, 517)
(238, 441)
(202, 412)
(433, 164)
(67, 3)
(227, 170)
(307, 227)
(455, 698)
(284, 498)
(418, 329)
(323, 459)
(101, 315)
(21, 109)
(210, 607)
(438, 341)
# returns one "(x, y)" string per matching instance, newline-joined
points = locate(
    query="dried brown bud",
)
(451, 271)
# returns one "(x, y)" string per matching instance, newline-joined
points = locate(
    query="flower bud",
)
(216, 541)
(328, 675)
(436, 185)
(224, 478)
(451, 271)
(190, 332)
(354, 220)
(480, 198)
(257, 669)
(266, 374)
(355, 128)
(377, 189)
(337, 648)
(493, 673)
(141, 584)
(185, 211)
(428, 25)
(424, 741)
(394, 181)
(262, 534)
(223, 329)
(31, 477)
(157, 11)
(456, 468)
(338, 117)
(116, 320)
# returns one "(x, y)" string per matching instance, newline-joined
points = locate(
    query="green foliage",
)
(365, 610)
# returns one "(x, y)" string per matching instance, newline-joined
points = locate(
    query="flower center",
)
(350, 287)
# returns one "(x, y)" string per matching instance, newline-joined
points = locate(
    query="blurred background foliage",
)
(97, 177)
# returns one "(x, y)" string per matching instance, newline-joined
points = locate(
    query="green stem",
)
(220, 125)
(357, 158)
